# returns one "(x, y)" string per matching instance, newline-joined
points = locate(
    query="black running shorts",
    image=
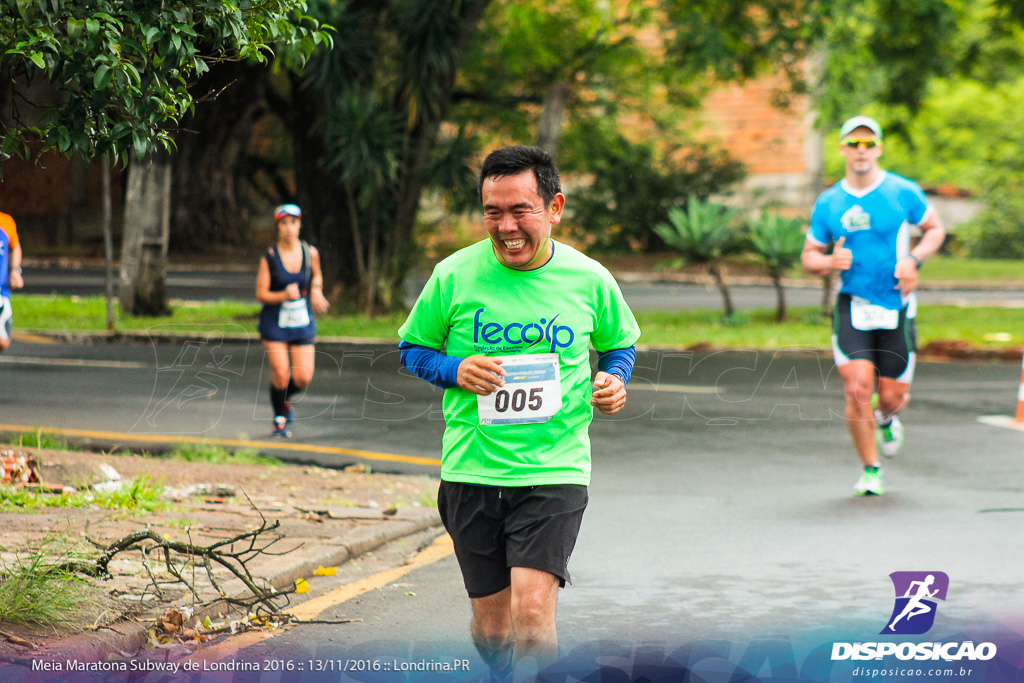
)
(893, 352)
(496, 528)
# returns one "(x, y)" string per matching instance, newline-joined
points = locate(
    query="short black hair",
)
(516, 159)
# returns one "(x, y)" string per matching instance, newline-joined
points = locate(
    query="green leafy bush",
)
(998, 231)
(633, 189)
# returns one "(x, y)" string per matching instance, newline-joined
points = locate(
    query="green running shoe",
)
(870, 483)
(890, 438)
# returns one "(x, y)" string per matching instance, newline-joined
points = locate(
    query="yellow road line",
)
(32, 338)
(237, 443)
(439, 549)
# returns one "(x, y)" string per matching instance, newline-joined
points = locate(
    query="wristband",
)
(917, 261)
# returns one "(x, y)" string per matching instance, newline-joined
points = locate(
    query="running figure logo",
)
(916, 593)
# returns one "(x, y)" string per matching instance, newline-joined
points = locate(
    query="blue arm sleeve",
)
(617, 362)
(430, 364)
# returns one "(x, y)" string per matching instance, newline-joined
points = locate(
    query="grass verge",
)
(985, 327)
(39, 439)
(134, 497)
(88, 314)
(34, 591)
(217, 455)
(980, 271)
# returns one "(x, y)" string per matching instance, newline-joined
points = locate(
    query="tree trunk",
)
(549, 129)
(210, 162)
(716, 273)
(780, 297)
(143, 289)
(108, 241)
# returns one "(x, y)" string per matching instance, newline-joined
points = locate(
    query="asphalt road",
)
(723, 521)
(721, 513)
(206, 285)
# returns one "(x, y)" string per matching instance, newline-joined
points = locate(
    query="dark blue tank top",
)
(292, 320)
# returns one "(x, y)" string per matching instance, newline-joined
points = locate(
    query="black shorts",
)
(496, 528)
(892, 352)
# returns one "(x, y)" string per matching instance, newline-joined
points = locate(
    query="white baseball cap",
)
(860, 122)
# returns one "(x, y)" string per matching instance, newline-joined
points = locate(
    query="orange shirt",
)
(7, 225)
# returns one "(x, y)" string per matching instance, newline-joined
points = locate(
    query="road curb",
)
(665, 278)
(132, 636)
(95, 338)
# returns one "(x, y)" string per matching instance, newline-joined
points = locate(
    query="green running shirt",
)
(474, 305)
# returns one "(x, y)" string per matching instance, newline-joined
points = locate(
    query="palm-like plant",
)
(777, 241)
(704, 233)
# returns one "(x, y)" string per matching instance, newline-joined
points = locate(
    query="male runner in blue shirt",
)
(868, 216)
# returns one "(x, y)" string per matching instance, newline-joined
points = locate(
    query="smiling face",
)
(517, 221)
(861, 160)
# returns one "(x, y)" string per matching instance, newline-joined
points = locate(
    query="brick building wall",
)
(779, 145)
(57, 201)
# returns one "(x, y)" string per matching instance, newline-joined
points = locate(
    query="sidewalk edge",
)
(133, 635)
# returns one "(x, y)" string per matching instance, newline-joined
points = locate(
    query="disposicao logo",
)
(913, 613)
(916, 595)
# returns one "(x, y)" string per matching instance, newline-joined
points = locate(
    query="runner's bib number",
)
(293, 314)
(532, 392)
(866, 316)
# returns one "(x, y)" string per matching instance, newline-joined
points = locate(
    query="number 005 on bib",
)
(532, 391)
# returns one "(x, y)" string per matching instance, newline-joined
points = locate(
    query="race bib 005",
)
(866, 316)
(532, 391)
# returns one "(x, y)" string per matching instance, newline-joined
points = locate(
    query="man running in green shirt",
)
(516, 315)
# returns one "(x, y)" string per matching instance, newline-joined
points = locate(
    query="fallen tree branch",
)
(10, 637)
(181, 560)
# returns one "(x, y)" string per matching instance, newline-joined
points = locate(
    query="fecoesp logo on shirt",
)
(494, 336)
(914, 614)
(856, 218)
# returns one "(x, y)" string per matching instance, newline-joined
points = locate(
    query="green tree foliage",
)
(737, 39)
(538, 65)
(368, 115)
(887, 53)
(777, 241)
(705, 233)
(367, 119)
(633, 189)
(117, 73)
(998, 231)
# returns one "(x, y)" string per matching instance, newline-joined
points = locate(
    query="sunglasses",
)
(860, 144)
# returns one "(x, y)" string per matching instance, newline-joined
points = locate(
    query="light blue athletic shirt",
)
(876, 222)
